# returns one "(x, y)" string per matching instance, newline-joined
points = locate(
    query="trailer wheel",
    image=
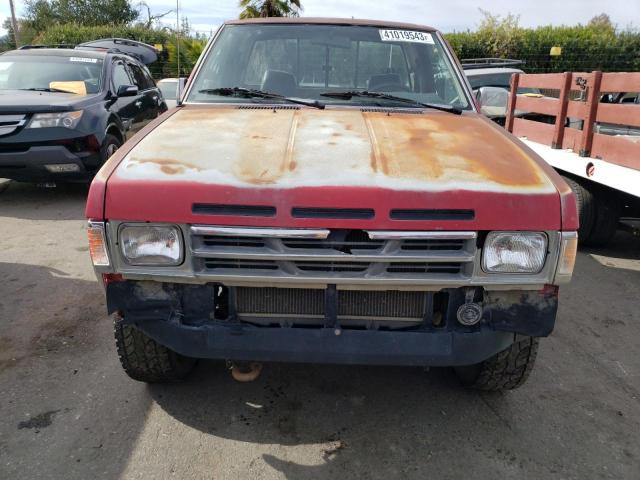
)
(506, 370)
(145, 360)
(607, 216)
(586, 209)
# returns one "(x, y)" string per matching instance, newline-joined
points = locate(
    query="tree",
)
(41, 14)
(270, 8)
(152, 19)
(601, 22)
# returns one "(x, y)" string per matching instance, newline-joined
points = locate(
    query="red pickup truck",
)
(328, 192)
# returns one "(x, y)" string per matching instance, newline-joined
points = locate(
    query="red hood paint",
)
(334, 158)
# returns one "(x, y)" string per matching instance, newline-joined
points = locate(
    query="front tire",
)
(145, 360)
(506, 370)
(110, 145)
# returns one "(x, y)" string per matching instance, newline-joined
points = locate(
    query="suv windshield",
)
(307, 61)
(79, 75)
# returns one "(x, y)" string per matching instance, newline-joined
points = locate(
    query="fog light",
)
(63, 167)
(469, 314)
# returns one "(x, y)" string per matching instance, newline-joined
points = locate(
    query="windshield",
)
(79, 75)
(305, 61)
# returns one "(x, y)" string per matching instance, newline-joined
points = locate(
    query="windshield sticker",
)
(405, 36)
(83, 59)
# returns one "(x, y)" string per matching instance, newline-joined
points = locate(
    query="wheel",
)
(109, 147)
(506, 370)
(607, 216)
(586, 209)
(145, 360)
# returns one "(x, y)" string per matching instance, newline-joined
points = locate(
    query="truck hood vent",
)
(268, 107)
(404, 111)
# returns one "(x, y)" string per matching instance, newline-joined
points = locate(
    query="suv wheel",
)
(506, 370)
(109, 147)
(145, 360)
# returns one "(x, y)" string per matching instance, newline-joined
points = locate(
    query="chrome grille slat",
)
(337, 255)
(10, 123)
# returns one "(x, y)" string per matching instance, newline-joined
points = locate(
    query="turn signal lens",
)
(98, 244)
(567, 260)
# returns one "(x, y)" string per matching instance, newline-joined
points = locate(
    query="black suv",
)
(64, 111)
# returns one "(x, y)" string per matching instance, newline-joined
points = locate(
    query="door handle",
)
(138, 103)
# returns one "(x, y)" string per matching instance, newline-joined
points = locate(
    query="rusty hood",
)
(236, 155)
(303, 147)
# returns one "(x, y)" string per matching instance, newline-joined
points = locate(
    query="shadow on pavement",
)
(383, 422)
(624, 246)
(30, 202)
(68, 411)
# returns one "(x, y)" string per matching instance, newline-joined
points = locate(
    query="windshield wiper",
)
(385, 96)
(46, 89)
(251, 93)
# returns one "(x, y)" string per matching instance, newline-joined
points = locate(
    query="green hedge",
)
(584, 48)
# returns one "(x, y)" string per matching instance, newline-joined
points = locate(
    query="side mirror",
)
(127, 91)
(493, 101)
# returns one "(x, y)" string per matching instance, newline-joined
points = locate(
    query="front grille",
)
(337, 256)
(301, 303)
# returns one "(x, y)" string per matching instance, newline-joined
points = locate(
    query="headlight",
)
(514, 252)
(151, 245)
(62, 119)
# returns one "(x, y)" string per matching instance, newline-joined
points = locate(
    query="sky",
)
(450, 15)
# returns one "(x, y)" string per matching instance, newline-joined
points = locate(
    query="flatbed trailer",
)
(566, 128)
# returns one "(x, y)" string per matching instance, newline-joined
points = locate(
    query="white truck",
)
(587, 126)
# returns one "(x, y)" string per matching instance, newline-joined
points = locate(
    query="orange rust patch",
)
(431, 146)
(292, 166)
(260, 159)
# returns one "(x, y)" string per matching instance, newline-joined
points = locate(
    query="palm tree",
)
(270, 8)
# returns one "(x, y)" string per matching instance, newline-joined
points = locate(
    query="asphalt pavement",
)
(67, 411)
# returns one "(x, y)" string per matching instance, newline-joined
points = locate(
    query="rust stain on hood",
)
(290, 148)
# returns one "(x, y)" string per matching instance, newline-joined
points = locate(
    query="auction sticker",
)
(83, 59)
(405, 36)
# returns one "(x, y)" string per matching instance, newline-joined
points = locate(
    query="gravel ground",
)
(69, 412)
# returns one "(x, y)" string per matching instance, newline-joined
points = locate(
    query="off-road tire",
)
(586, 209)
(506, 370)
(145, 360)
(607, 217)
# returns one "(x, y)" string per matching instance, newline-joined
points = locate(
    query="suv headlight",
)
(62, 119)
(151, 245)
(514, 252)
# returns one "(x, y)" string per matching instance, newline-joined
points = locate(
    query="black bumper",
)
(328, 345)
(184, 318)
(30, 165)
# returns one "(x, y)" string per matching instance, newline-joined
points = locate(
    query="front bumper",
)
(187, 319)
(326, 345)
(30, 165)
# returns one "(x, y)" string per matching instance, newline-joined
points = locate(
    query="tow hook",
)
(245, 371)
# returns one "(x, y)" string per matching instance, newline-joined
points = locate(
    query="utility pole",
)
(14, 24)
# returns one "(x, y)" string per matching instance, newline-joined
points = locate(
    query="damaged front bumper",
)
(208, 321)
